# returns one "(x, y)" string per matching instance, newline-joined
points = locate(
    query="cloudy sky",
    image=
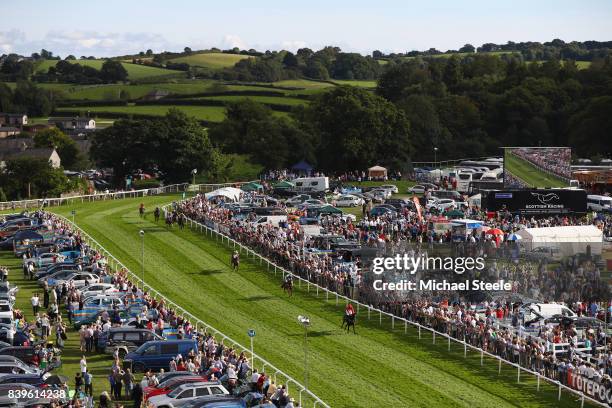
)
(115, 27)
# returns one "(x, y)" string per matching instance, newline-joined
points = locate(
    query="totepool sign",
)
(593, 389)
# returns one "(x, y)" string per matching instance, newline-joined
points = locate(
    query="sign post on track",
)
(251, 334)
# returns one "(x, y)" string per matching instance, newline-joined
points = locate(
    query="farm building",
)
(46, 153)
(73, 124)
(13, 119)
(6, 131)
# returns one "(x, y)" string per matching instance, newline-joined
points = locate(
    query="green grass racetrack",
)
(529, 173)
(378, 367)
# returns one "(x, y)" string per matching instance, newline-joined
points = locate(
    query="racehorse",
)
(235, 260)
(349, 320)
(288, 287)
(169, 220)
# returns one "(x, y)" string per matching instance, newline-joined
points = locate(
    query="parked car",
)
(165, 377)
(36, 380)
(391, 187)
(221, 401)
(185, 392)
(312, 202)
(6, 309)
(27, 354)
(376, 196)
(158, 354)
(98, 289)
(378, 211)
(297, 200)
(103, 301)
(51, 269)
(171, 385)
(444, 204)
(384, 192)
(78, 280)
(400, 203)
(125, 339)
(17, 367)
(7, 292)
(45, 259)
(349, 201)
(418, 189)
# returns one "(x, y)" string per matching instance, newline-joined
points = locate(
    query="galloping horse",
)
(169, 220)
(288, 286)
(349, 320)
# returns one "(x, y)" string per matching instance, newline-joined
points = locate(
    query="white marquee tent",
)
(230, 193)
(570, 240)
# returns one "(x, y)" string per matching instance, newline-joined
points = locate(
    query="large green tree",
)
(173, 145)
(251, 128)
(356, 129)
(30, 177)
(65, 146)
(113, 71)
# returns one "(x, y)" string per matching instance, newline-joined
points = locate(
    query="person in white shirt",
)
(83, 364)
(35, 300)
(254, 376)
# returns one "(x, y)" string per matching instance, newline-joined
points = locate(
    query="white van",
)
(275, 220)
(463, 181)
(599, 203)
(539, 311)
(311, 184)
(491, 175)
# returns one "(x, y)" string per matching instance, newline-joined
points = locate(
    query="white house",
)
(46, 153)
(13, 119)
(73, 123)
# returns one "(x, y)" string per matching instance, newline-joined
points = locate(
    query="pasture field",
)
(529, 173)
(376, 367)
(275, 100)
(212, 60)
(135, 71)
(112, 91)
(302, 83)
(207, 113)
(356, 82)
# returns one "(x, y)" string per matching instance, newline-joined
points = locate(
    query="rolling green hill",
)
(135, 71)
(212, 60)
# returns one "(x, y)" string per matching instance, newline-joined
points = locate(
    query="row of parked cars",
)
(140, 348)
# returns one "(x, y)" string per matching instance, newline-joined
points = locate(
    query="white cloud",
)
(292, 45)
(232, 40)
(79, 42)
(8, 39)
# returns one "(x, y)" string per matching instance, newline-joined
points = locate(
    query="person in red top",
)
(349, 310)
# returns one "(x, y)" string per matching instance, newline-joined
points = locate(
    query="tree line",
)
(65, 71)
(463, 107)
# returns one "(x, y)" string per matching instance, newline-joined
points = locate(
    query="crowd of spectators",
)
(552, 160)
(490, 324)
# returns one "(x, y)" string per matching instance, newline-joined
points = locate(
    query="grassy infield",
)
(375, 368)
